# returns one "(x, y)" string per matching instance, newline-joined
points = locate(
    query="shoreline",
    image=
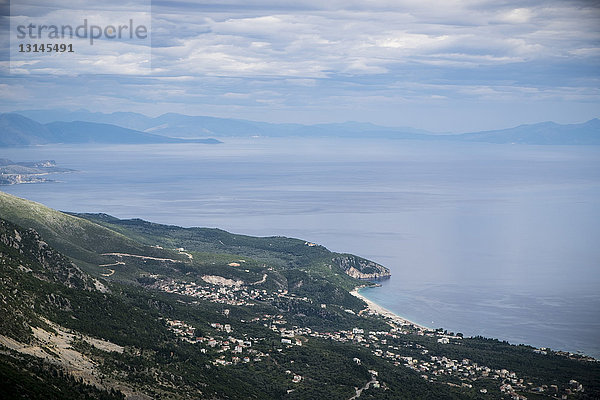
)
(384, 312)
(377, 309)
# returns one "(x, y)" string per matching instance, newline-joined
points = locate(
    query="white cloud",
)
(312, 56)
(516, 16)
(370, 38)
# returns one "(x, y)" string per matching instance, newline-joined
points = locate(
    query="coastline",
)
(384, 312)
(377, 309)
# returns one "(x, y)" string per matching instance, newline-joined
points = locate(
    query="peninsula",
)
(92, 306)
(12, 173)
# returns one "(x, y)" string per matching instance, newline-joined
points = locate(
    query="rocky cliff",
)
(361, 268)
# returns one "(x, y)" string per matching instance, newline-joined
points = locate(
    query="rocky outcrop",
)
(361, 268)
(221, 281)
(45, 263)
(15, 179)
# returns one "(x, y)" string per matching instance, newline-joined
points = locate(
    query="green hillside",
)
(114, 341)
(141, 249)
(78, 238)
(93, 307)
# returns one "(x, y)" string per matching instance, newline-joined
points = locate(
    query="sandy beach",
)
(376, 308)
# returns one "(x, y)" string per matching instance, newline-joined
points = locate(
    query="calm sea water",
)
(493, 240)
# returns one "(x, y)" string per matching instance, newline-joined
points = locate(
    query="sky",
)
(443, 66)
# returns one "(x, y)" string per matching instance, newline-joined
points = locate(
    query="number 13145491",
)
(46, 48)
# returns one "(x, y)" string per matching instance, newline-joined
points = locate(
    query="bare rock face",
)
(361, 268)
(221, 281)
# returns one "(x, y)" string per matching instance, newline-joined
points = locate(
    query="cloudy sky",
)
(438, 65)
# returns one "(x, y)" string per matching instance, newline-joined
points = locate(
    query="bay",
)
(483, 239)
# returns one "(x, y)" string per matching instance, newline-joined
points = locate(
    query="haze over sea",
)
(483, 239)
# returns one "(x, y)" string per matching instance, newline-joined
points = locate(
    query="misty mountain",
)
(175, 125)
(17, 130)
(187, 126)
(587, 133)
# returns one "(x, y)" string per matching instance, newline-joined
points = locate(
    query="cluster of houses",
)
(430, 367)
(230, 350)
(234, 295)
(436, 368)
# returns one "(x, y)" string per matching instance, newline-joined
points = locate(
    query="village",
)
(229, 348)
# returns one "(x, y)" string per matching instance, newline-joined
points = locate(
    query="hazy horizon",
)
(232, 117)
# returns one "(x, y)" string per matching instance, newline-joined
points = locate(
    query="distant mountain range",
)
(17, 130)
(587, 133)
(82, 126)
(186, 126)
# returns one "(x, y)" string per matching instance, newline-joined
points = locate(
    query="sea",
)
(496, 240)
